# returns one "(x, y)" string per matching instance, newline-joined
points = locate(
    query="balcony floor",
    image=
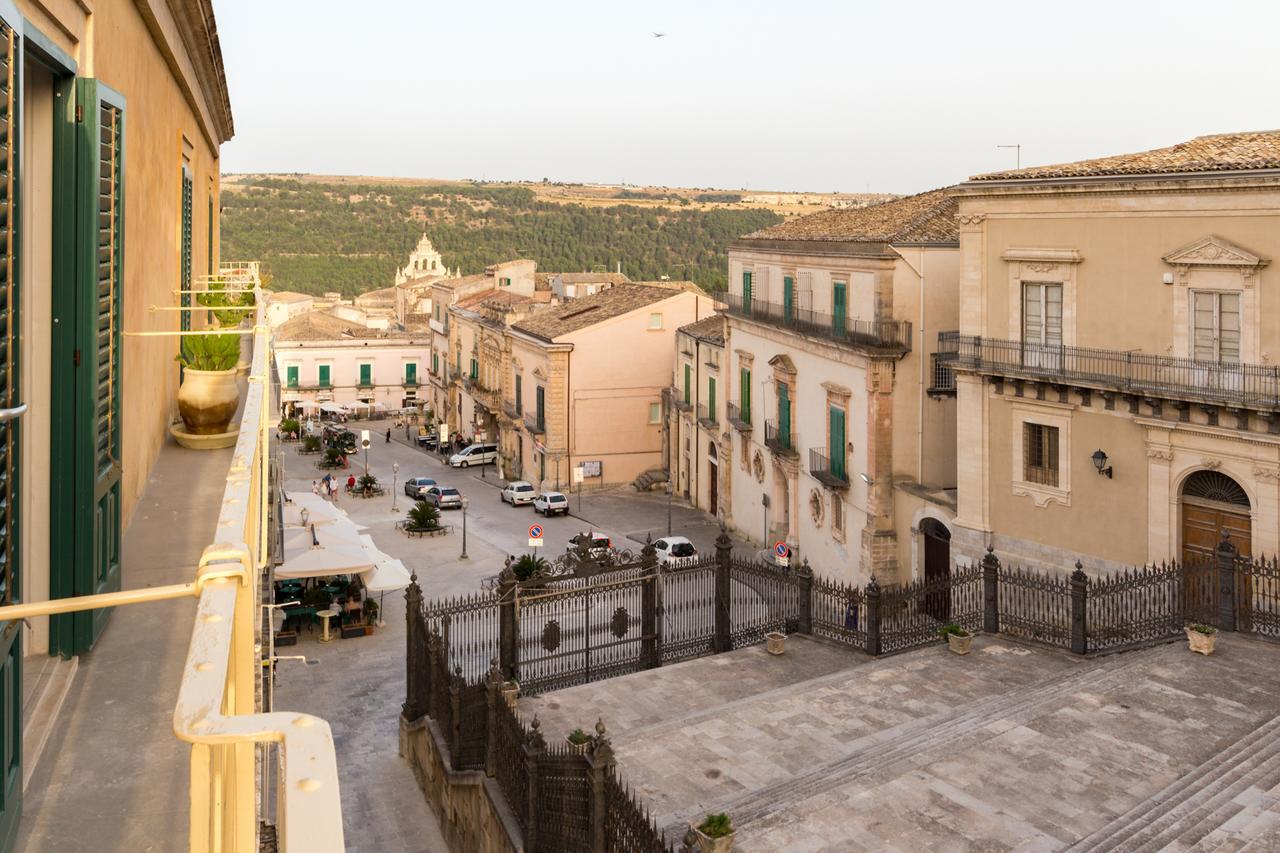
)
(113, 776)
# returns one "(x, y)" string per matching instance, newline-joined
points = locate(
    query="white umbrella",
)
(319, 510)
(333, 408)
(299, 539)
(308, 404)
(325, 561)
(387, 575)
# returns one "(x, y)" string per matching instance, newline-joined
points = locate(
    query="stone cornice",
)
(1044, 256)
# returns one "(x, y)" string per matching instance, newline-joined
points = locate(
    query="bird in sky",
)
(659, 35)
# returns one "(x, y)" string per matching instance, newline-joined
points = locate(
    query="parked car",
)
(443, 497)
(474, 454)
(519, 492)
(551, 503)
(429, 441)
(599, 545)
(674, 550)
(416, 487)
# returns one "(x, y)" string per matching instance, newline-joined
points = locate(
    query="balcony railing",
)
(942, 375)
(737, 418)
(410, 382)
(706, 415)
(678, 400)
(535, 424)
(778, 439)
(1233, 384)
(891, 335)
(828, 471)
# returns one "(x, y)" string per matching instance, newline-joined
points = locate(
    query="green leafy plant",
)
(529, 566)
(716, 825)
(367, 481)
(577, 737)
(424, 516)
(1203, 629)
(229, 306)
(333, 456)
(952, 628)
(209, 352)
(311, 443)
(288, 425)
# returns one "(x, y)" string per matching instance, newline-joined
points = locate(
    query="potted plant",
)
(775, 642)
(208, 398)
(370, 615)
(1200, 638)
(715, 834)
(230, 308)
(957, 638)
(423, 517)
(528, 567)
(511, 693)
(578, 741)
(367, 483)
(310, 444)
(332, 458)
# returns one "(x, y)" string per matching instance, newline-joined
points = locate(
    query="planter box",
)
(286, 638)
(775, 642)
(352, 631)
(707, 844)
(1201, 643)
(960, 643)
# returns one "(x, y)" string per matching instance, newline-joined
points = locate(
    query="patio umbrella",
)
(333, 408)
(387, 575)
(299, 539)
(325, 561)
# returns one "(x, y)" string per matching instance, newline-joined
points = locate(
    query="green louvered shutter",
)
(788, 297)
(837, 442)
(784, 415)
(291, 373)
(185, 260)
(688, 382)
(366, 374)
(711, 399)
(744, 395)
(746, 293)
(411, 374)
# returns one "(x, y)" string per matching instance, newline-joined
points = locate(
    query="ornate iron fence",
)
(686, 612)
(761, 599)
(839, 612)
(1034, 606)
(913, 615)
(1136, 607)
(1258, 594)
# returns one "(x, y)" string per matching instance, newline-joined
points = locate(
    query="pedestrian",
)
(333, 489)
(388, 435)
(351, 483)
(315, 488)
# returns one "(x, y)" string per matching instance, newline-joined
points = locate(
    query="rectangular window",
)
(711, 398)
(435, 362)
(746, 290)
(1042, 313)
(519, 394)
(1215, 326)
(366, 374)
(459, 362)
(185, 260)
(540, 400)
(291, 375)
(504, 282)
(655, 320)
(744, 395)
(411, 374)
(839, 307)
(688, 383)
(1040, 454)
(655, 413)
(788, 297)
(837, 442)
(475, 368)
(323, 375)
(784, 415)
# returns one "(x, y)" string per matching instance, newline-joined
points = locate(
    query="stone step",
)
(884, 750)
(1228, 770)
(40, 707)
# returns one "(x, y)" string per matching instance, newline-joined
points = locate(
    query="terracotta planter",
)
(707, 844)
(960, 643)
(775, 642)
(208, 400)
(1201, 643)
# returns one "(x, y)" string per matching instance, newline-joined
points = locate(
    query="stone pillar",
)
(723, 638)
(534, 746)
(600, 762)
(493, 695)
(415, 700)
(1225, 558)
(991, 592)
(650, 644)
(1079, 605)
(872, 595)
(804, 588)
(456, 684)
(507, 647)
(879, 544)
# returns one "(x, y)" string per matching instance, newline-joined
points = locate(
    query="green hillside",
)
(315, 237)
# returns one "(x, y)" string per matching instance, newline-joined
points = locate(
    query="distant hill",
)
(315, 235)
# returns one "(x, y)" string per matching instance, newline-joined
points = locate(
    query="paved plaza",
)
(1011, 748)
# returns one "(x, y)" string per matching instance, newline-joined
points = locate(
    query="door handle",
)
(12, 414)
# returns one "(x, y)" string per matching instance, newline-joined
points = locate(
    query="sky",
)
(797, 95)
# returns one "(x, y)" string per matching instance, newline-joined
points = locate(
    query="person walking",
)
(388, 435)
(315, 488)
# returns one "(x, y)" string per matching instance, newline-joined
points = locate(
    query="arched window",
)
(1215, 486)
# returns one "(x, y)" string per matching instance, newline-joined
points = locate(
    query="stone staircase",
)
(650, 478)
(1224, 804)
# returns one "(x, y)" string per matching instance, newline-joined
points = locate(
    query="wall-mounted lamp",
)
(1100, 462)
(867, 480)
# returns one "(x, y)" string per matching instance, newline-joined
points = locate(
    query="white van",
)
(475, 454)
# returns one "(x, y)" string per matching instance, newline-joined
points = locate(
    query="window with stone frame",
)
(1040, 454)
(837, 516)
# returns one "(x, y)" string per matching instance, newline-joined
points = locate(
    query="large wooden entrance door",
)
(937, 568)
(1213, 503)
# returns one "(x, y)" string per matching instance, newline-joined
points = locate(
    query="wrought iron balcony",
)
(365, 385)
(942, 376)
(706, 415)
(889, 335)
(410, 383)
(737, 418)
(828, 471)
(678, 400)
(779, 440)
(534, 424)
(1233, 384)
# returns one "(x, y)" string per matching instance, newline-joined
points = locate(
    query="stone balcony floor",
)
(1011, 748)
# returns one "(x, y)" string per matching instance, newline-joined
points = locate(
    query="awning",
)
(308, 405)
(319, 510)
(325, 561)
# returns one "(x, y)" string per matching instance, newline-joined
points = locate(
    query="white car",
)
(519, 492)
(551, 503)
(674, 551)
(474, 454)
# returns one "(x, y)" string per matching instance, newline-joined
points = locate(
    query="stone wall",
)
(473, 816)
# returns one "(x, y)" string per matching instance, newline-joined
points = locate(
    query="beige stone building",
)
(696, 423)
(1118, 394)
(837, 448)
(572, 395)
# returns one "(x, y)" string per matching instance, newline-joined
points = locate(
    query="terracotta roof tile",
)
(577, 314)
(709, 329)
(924, 218)
(1223, 152)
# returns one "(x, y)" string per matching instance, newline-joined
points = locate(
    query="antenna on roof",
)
(1018, 151)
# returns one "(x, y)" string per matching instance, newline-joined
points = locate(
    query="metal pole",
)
(671, 490)
(395, 470)
(464, 530)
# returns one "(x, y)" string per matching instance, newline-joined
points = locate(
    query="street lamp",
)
(395, 469)
(364, 440)
(465, 503)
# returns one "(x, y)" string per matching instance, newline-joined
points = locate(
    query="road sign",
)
(781, 553)
(577, 474)
(535, 531)
(535, 543)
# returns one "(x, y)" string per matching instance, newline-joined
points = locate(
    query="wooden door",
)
(1202, 526)
(713, 476)
(937, 568)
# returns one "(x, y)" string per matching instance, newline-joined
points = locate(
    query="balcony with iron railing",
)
(737, 418)
(707, 416)
(534, 424)
(942, 375)
(881, 335)
(679, 401)
(779, 439)
(826, 470)
(1234, 385)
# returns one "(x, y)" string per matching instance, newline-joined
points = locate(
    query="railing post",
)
(493, 695)
(507, 645)
(991, 592)
(415, 700)
(649, 642)
(534, 746)
(1225, 557)
(1079, 603)
(872, 597)
(600, 761)
(723, 639)
(455, 707)
(804, 589)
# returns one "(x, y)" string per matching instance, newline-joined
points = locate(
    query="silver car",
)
(416, 487)
(443, 497)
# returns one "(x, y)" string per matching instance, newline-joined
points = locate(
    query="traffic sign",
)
(535, 531)
(781, 553)
(577, 475)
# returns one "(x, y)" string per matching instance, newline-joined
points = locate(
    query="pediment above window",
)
(1214, 251)
(783, 363)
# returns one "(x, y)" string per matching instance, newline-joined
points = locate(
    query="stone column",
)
(600, 762)
(1079, 606)
(804, 588)
(991, 592)
(723, 638)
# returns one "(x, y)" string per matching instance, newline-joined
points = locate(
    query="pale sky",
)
(794, 95)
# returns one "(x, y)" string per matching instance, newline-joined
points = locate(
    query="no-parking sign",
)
(781, 553)
(535, 535)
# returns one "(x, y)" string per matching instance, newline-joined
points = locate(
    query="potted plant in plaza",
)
(578, 741)
(714, 834)
(288, 429)
(208, 398)
(1201, 638)
(370, 615)
(310, 444)
(957, 638)
(367, 484)
(422, 518)
(332, 458)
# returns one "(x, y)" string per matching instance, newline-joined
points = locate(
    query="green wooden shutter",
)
(435, 362)
(688, 383)
(788, 296)
(784, 415)
(324, 376)
(711, 398)
(475, 368)
(366, 374)
(519, 394)
(837, 442)
(744, 395)
(541, 407)
(291, 374)
(411, 374)
(184, 262)
(839, 308)
(746, 292)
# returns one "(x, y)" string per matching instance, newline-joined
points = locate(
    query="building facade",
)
(837, 449)
(1118, 399)
(698, 439)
